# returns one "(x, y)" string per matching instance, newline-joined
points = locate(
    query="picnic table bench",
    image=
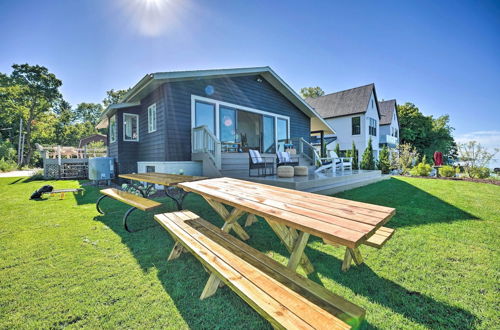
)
(137, 202)
(295, 215)
(279, 294)
(169, 181)
(62, 192)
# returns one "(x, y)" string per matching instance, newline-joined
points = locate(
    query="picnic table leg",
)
(289, 238)
(211, 286)
(177, 195)
(298, 250)
(97, 203)
(176, 251)
(349, 256)
(251, 219)
(230, 219)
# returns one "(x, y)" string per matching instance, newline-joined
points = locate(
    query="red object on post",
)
(438, 158)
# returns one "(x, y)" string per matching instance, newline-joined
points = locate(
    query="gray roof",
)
(386, 110)
(344, 103)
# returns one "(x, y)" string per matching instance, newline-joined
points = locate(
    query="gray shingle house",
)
(204, 122)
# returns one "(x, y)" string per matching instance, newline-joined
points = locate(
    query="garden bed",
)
(491, 181)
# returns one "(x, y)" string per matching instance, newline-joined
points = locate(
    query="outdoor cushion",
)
(285, 171)
(300, 170)
(284, 157)
(255, 155)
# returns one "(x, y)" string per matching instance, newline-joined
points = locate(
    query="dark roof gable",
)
(344, 103)
(386, 111)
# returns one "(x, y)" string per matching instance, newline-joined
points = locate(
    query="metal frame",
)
(125, 216)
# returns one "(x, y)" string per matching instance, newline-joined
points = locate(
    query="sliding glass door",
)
(268, 136)
(282, 129)
(239, 128)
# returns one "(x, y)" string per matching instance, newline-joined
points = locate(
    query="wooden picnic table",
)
(293, 215)
(169, 181)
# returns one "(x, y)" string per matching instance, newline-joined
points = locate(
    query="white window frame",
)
(137, 120)
(152, 118)
(113, 133)
(217, 104)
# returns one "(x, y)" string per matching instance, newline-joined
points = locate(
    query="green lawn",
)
(63, 264)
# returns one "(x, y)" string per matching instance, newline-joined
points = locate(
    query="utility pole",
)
(20, 145)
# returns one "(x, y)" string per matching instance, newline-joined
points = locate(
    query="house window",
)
(356, 125)
(130, 127)
(205, 115)
(372, 127)
(152, 118)
(112, 129)
(150, 169)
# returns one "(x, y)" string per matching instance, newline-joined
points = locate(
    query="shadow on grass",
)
(413, 206)
(415, 306)
(183, 279)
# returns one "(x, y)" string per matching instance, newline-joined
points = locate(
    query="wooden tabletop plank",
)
(295, 209)
(299, 193)
(342, 211)
(163, 179)
(321, 229)
(309, 198)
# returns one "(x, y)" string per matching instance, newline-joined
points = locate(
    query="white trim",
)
(137, 119)
(150, 121)
(111, 140)
(218, 103)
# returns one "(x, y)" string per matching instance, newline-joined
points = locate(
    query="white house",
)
(389, 124)
(354, 115)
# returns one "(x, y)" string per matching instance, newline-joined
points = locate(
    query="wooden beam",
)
(230, 219)
(251, 219)
(177, 250)
(211, 286)
(288, 237)
(298, 250)
(346, 264)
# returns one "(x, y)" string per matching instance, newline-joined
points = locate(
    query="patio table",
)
(293, 215)
(169, 181)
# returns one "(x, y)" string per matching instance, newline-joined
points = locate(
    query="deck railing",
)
(308, 151)
(63, 152)
(206, 142)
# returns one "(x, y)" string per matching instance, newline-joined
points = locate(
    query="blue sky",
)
(444, 56)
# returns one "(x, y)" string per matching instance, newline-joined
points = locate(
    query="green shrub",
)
(367, 161)
(383, 162)
(7, 150)
(7, 165)
(479, 172)
(422, 169)
(447, 171)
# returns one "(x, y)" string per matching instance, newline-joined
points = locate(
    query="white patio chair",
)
(345, 163)
(325, 163)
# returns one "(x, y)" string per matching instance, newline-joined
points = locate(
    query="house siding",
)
(245, 91)
(172, 139)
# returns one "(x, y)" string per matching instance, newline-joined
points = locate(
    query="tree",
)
(355, 157)
(426, 133)
(337, 149)
(311, 92)
(90, 112)
(367, 161)
(114, 96)
(406, 157)
(39, 91)
(383, 162)
(474, 158)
